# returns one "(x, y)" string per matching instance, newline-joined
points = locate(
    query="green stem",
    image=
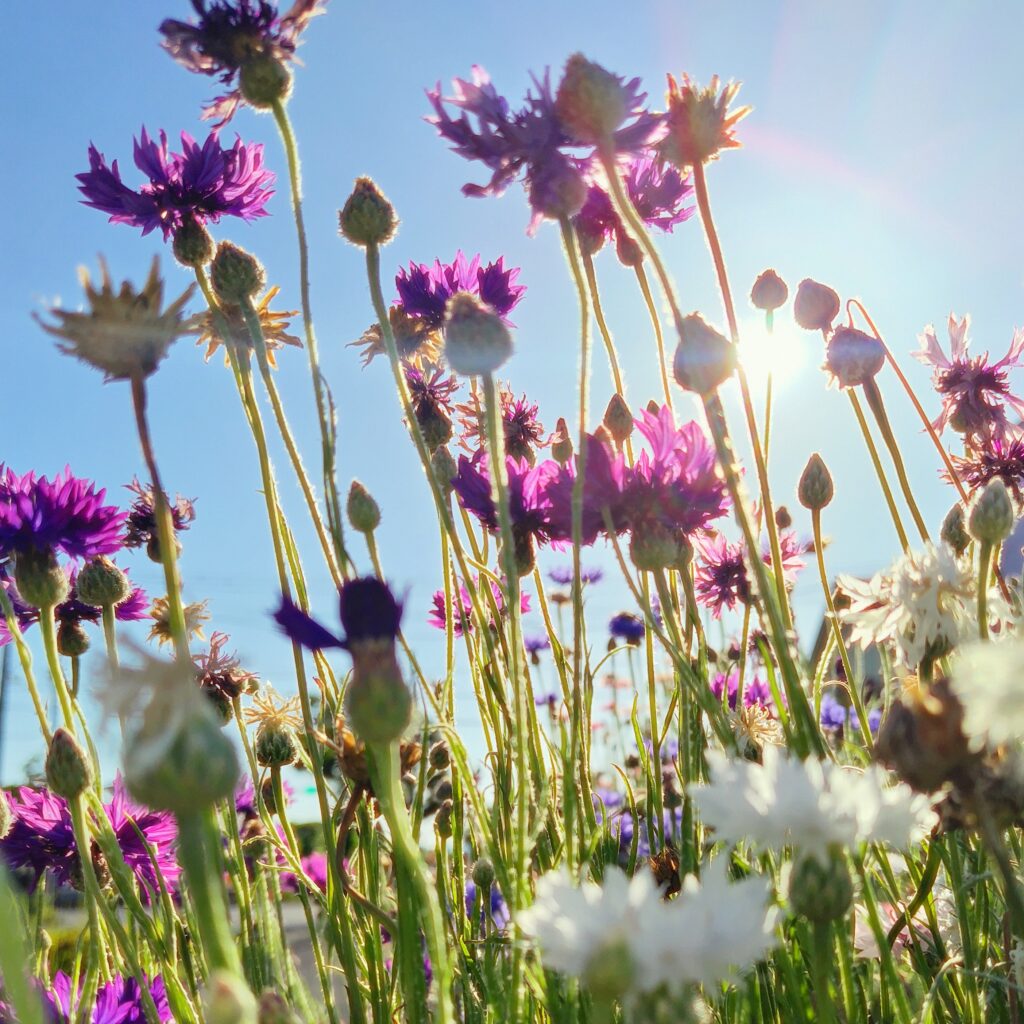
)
(25, 657)
(997, 850)
(821, 963)
(48, 629)
(984, 571)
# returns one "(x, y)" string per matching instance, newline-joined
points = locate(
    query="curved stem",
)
(659, 337)
(47, 627)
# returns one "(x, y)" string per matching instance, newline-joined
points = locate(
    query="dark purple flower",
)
(430, 394)
(997, 457)
(367, 608)
(755, 690)
(837, 717)
(65, 515)
(199, 184)
(230, 33)
(628, 627)
(497, 908)
(658, 191)
(42, 836)
(597, 221)
(140, 525)
(563, 575)
(424, 291)
(118, 1001)
(536, 644)
(462, 601)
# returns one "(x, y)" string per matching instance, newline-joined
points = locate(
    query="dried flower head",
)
(272, 711)
(126, 333)
(700, 123)
(195, 615)
(275, 328)
(416, 343)
(221, 676)
(140, 524)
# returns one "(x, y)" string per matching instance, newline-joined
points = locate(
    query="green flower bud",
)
(820, 891)
(192, 245)
(991, 516)
(815, 489)
(264, 81)
(273, 1009)
(483, 874)
(561, 446)
(275, 746)
(435, 425)
(443, 819)
(102, 583)
(618, 420)
(72, 639)
(378, 704)
(769, 292)
(589, 103)
(68, 772)
(653, 547)
(227, 1000)
(444, 469)
(41, 582)
(367, 218)
(475, 339)
(363, 511)
(954, 530)
(236, 275)
(704, 358)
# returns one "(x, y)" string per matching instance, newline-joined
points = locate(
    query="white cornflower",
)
(925, 602)
(988, 680)
(809, 804)
(623, 937)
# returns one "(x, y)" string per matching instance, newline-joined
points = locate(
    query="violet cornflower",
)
(462, 601)
(836, 717)
(367, 608)
(118, 1001)
(658, 191)
(199, 184)
(997, 457)
(975, 392)
(564, 576)
(228, 34)
(755, 690)
(494, 906)
(424, 290)
(63, 515)
(627, 627)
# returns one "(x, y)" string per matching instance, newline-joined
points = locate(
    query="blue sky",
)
(882, 157)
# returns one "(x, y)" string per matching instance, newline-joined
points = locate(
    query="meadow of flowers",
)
(814, 820)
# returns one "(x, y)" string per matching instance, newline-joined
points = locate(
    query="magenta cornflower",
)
(463, 601)
(998, 457)
(974, 391)
(139, 831)
(524, 433)
(118, 1001)
(603, 491)
(140, 523)
(199, 184)
(658, 191)
(755, 690)
(228, 34)
(424, 290)
(63, 515)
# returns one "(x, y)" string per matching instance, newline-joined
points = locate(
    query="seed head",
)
(236, 275)
(815, 306)
(367, 218)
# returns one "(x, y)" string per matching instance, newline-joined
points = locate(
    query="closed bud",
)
(100, 583)
(557, 188)
(653, 547)
(991, 515)
(264, 81)
(192, 245)
(363, 510)
(68, 772)
(153, 549)
(769, 292)
(72, 639)
(269, 796)
(628, 250)
(561, 444)
(227, 1000)
(444, 469)
(820, 890)
(590, 101)
(483, 874)
(439, 757)
(783, 520)
(476, 341)
(236, 275)
(275, 746)
(435, 425)
(41, 582)
(704, 358)
(815, 306)
(378, 704)
(954, 530)
(6, 815)
(618, 420)
(367, 218)
(653, 407)
(815, 489)
(273, 1009)
(443, 819)
(601, 434)
(853, 357)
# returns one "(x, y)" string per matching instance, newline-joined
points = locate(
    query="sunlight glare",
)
(782, 353)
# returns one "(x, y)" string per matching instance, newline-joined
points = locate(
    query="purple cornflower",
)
(628, 627)
(230, 33)
(997, 457)
(118, 1001)
(139, 831)
(536, 644)
(657, 191)
(438, 619)
(563, 575)
(424, 291)
(315, 868)
(496, 906)
(836, 716)
(603, 492)
(975, 392)
(140, 524)
(755, 690)
(199, 184)
(367, 608)
(65, 514)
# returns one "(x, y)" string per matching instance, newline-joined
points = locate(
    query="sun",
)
(780, 354)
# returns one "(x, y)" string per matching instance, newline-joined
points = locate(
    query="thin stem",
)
(821, 962)
(48, 628)
(659, 337)
(984, 571)
(999, 853)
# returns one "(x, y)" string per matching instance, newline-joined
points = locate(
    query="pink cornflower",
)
(437, 617)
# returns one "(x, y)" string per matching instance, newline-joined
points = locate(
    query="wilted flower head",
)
(275, 328)
(524, 433)
(197, 185)
(140, 524)
(220, 675)
(810, 804)
(228, 34)
(126, 333)
(997, 458)
(975, 392)
(415, 342)
(700, 123)
(195, 615)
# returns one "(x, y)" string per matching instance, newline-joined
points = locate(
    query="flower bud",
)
(476, 341)
(628, 250)
(954, 530)
(363, 511)
(153, 549)
(653, 547)
(264, 81)
(590, 102)
(443, 819)
(820, 891)
(68, 772)
(367, 218)
(273, 1009)
(101, 583)
(444, 469)
(815, 306)
(6, 815)
(618, 420)
(769, 292)
(815, 489)
(435, 425)
(192, 245)
(275, 746)
(991, 516)
(783, 520)
(41, 582)
(236, 275)
(704, 358)
(378, 704)
(227, 1000)
(557, 189)
(438, 757)
(609, 972)
(483, 874)
(853, 357)
(561, 444)
(72, 639)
